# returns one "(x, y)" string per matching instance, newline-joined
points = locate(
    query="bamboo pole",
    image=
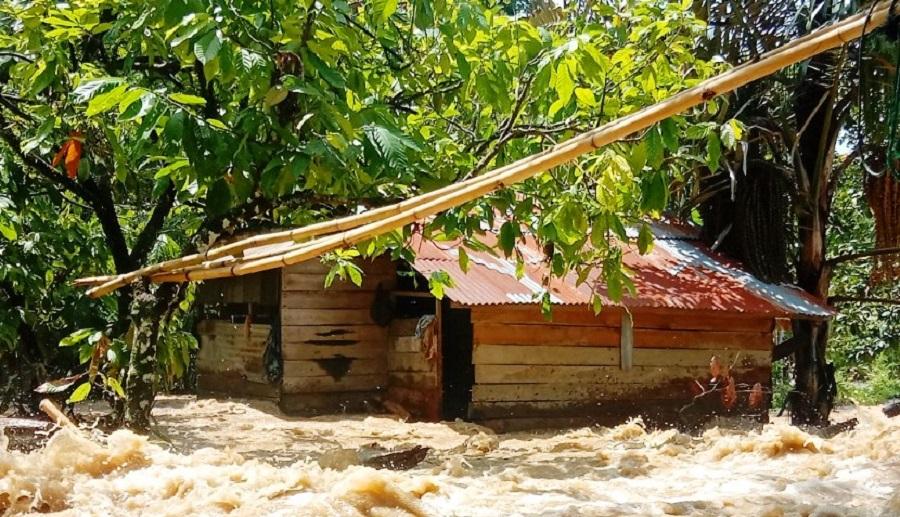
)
(109, 283)
(400, 214)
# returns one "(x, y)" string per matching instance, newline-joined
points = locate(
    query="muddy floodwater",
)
(212, 457)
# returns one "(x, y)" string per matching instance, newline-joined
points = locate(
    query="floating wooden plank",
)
(674, 388)
(531, 315)
(406, 344)
(332, 335)
(514, 354)
(410, 362)
(542, 374)
(698, 339)
(318, 367)
(318, 317)
(357, 351)
(546, 335)
(327, 383)
(676, 357)
(327, 300)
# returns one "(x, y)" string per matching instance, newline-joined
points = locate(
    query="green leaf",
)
(654, 148)
(507, 238)
(463, 259)
(207, 48)
(713, 151)
(669, 130)
(80, 393)
(565, 85)
(218, 198)
(645, 239)
(654, 191)
(326, 72)
(391, 144)
(696, 218)
(106, 101)
(437, 282)
(113, 383)
(8, 231)
(87, 89)
(585, 97)
(186, 98)
(172, 167)
(571, 223)
(731, 133)
(275, 95)
(355, 274)
(596, 304)
(384, 9)
(76, 337)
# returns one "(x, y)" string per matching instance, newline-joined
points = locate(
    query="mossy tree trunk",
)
(148, 306)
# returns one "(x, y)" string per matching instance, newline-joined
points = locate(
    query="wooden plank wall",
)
(230, 359)
(413, 377)
(532, 372)
(335, 354)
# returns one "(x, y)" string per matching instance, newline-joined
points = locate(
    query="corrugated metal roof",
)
(679, 273)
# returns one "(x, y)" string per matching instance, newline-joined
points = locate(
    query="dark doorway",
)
(458, 372)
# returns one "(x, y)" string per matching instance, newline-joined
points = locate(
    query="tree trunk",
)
(820, 123)
(147, 309)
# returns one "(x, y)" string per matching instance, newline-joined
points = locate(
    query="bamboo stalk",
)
(400, 214)
(109, 283)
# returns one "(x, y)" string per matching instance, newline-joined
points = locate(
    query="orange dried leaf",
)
(61, 153)
(73, 158)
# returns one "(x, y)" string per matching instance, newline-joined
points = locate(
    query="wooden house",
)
(485, 352)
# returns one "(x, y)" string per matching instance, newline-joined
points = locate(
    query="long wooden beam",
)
(387, 219)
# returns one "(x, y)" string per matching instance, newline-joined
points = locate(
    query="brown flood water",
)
(244, 458)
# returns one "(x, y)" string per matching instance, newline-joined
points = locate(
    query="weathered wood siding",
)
(335, 354)
(230, 359)
(414, 371)
(567, 370)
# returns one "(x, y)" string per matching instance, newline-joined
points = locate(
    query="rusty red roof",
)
(679, 273)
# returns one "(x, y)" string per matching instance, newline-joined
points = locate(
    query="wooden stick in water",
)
(56, 416)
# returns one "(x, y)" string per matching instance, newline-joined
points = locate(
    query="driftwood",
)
(356, 229)
(835, 429)
(377, 457)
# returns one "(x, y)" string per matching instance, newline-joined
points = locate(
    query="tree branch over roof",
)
(862, 299)
(840, 259)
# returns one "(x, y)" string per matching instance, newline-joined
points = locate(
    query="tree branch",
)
(862, 299)
(151, 229)
(16, 55)
(40, 166)
(840, 259)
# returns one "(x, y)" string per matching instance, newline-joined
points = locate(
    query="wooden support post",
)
(626, 345)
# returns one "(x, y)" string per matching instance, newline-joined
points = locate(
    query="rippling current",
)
(211, 457)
